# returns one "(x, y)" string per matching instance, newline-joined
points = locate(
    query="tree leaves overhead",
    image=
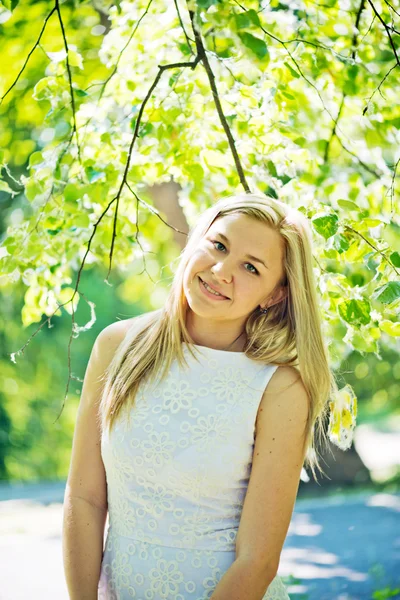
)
(306, 97)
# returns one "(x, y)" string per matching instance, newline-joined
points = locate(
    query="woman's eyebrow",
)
(253, 258)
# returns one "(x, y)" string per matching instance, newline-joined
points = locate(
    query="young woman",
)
(196, 419)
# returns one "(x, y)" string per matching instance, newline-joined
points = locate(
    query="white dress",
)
(177, 474)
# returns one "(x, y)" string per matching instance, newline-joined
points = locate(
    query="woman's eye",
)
(254, 270)
(218, 244)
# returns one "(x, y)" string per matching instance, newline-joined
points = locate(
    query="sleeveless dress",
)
(177, 466)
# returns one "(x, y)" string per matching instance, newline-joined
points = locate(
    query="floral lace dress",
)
(177, 473)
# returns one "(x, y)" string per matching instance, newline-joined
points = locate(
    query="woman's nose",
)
(222, 270)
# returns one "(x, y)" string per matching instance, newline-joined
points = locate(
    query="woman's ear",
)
(277, 296)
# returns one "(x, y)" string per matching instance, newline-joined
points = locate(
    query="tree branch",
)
(29, 55)
(348, 228)
(203, 57)
(104, 83)
(162, 68)
(75, 129)
(393, 9)
(188, 40)
(354, 43)
(387, 31)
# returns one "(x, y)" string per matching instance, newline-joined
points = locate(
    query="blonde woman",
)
(196, 419)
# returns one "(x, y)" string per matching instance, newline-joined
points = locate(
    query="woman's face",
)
(242, 259)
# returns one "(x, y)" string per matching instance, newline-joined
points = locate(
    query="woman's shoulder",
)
(115, 333)
(285, 375)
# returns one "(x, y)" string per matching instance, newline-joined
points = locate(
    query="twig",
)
(373, 247)
(71, 89)
(29, 55)
(393, 9)
(162, 68)
(188, 40)
(203, 57)
(104, 83)
(387, 31)
(154, 211)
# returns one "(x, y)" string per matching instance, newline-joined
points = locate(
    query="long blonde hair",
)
(288, 334)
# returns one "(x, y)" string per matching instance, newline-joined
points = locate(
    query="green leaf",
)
(207, 3)
(93, 174)
(356, 312)
(242, 20)
(341, 243)
(395, 259)
(10, 244)
(388, 293)
(10, 4)
(82, 220)
(81, 93)
(35, 159)
(34, 188)
(4, 187)
(293, 72)
(352, 72)
(348, 204)
(272, 168)
(326, 225)
(390, 328)
(255, 44)
(246, 19)
(195, 171)
(287, 95)
(75, 59)
(363, 343)
(372, 222)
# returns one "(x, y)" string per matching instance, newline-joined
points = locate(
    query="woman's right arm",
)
(85, 500)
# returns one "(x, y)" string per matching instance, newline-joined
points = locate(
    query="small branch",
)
(154, 211)
(203, 57)
(333, 133)
(124, 48)
(361, 162)
(47, 320)
(393, 9)
(387, 31)
(75, 129)
(69, 362)
(354, 44)
(162, 68)
(138, 241)
(188, 40)
(373, 247)
(29, 55)
(297, 67)
(104, 83)
(378, 89)
(391, 189)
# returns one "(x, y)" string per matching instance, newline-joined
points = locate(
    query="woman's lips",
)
(209, 294)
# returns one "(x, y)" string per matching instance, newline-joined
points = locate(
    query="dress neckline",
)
(213, 349)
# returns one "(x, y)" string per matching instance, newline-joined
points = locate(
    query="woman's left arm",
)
(271, 494)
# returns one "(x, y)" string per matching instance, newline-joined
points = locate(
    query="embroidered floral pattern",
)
(178, 465)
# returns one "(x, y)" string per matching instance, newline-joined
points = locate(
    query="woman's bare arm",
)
(85, 501)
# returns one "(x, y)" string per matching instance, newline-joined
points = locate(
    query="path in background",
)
(338, 548)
